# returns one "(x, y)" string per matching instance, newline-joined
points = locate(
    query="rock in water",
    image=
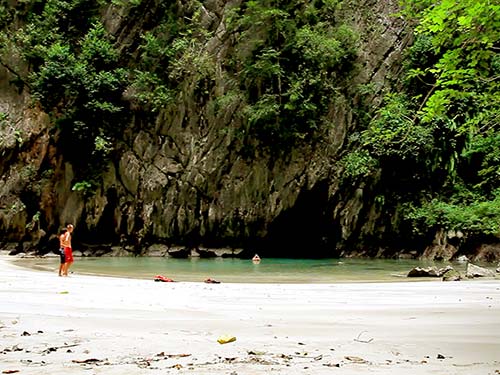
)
(423, 272)
(428, 271)
(452, 275)
(476, 271)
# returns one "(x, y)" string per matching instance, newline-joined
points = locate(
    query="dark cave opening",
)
(304, 230)
(105, 231)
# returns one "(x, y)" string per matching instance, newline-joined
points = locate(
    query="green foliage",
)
(264, 111)
(324, 46)
(97, 50)
(479, 217)
(170, 53)
(292, 58)
(485, 151)
(437, 141)
(394, 134)
(286, 66)
(85, 76)
(4, 119)
(83, 186)
(35, 221)
(6, 14)
(452, 83)
(121, 3)
(47, 174)
(28, 172)
(358, 164)
(190, 59)
(83, 88)
(16, 207)
(56, 78)
(462, 37)
(150, 90)
(75, 74)
(103, 145)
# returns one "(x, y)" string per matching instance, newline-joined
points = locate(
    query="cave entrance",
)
(304, 230)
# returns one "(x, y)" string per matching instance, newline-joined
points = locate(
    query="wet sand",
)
(102, 325)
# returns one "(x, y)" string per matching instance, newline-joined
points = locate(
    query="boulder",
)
(476, 271)
(225, 252)
(428, 271)
(179, 252)
(94, 250)
(452, 275)
(206, 253)
(462, 259)
(237, 253)
(156, 250)
(104, 251)
(498, 268)
(440, 249)
(118, 251)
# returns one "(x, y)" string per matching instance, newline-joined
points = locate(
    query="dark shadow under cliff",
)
(303, 231)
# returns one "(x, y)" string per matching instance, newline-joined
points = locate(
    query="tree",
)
(455, 65)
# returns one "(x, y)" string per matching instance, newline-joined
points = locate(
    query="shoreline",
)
(114, 325)
(332, 271)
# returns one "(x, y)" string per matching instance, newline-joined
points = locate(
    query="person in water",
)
(256, 258)
(62, 233)
(68, 251)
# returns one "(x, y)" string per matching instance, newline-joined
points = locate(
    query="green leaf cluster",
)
(75, 73)
(290, 59)
(169, 54)
(478, 217)
(438, 140)
(393, 133)
(358, 163)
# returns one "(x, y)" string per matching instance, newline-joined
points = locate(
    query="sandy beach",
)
(102, 325)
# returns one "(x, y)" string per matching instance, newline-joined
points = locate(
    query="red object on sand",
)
(163, 279)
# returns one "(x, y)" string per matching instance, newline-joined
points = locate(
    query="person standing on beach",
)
(68, 252)
(62, 233)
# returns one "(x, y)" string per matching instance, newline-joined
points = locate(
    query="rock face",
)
(180, 178)
(487, 253)
(441, 248)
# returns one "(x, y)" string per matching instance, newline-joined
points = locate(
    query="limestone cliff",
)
(179, 176)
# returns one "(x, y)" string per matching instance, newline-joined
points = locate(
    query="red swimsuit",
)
(68, 254)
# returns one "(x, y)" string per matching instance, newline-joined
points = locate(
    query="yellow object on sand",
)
(225, 339)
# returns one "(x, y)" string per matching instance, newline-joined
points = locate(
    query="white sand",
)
(138, 326)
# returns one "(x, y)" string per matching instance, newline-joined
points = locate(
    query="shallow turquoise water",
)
(269, 270)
